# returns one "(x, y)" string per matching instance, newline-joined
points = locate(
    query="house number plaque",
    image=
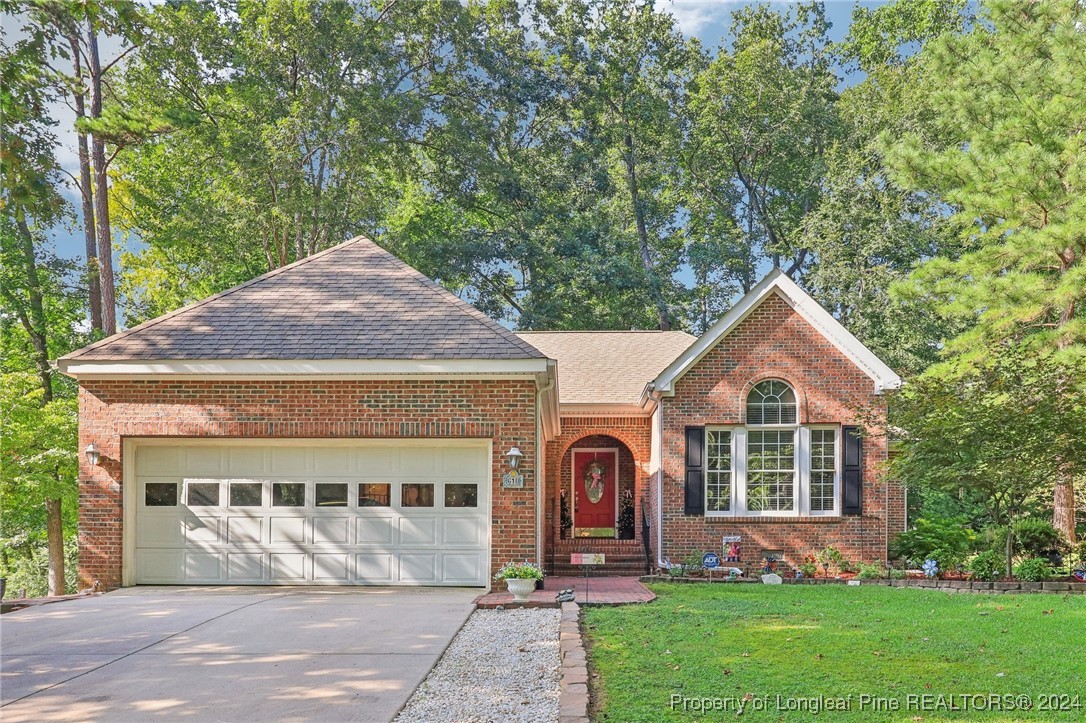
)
(513, 480)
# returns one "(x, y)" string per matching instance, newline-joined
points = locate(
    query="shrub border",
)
(967, 586)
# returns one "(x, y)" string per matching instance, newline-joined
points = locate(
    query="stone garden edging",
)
(573, 688)
(954, 586)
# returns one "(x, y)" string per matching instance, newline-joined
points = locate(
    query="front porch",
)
(596, 482)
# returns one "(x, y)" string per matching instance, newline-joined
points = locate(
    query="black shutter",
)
(852, 476)
(695, 489)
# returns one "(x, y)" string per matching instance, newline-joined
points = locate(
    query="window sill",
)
(794, 519)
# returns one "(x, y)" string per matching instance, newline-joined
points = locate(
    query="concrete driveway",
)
(226, 654)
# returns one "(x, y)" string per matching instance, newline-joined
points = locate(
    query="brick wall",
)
(109, 411)
(776, 342)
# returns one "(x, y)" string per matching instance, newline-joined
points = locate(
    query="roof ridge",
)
(196, 304)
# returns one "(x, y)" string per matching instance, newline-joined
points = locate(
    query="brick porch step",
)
(623, 557)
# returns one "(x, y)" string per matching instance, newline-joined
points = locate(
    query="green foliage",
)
(519, 571)
(832, 561)
(949, 537)
(1034, 537)
(26, 567)
(873, 571)
(1002, 430)
(987, 565)
(725, 643)
(1035, 569)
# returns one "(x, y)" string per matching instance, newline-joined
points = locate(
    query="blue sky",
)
(708, 20)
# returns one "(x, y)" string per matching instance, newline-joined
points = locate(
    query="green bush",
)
(1034, 537)
(1033, 570)
(988, 565)
(871, 572)
(28, 569)
(951, 535)
(949, 560)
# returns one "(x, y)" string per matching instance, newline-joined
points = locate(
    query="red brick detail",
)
(109, 411)
(776, 342)
(632, 435)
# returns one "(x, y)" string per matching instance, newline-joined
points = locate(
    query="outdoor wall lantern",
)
(514, 455)
(93, 454)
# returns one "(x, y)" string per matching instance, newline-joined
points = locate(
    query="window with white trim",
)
(772, 466)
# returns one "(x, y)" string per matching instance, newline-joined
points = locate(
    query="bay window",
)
(772, 466)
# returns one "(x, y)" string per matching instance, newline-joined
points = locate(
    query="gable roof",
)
(607, 367)
(777, 282)
(354, 301)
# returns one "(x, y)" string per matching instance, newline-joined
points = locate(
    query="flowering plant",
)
(519, 571)
(931, 568)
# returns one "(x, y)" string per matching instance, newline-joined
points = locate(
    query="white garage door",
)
(390, 514)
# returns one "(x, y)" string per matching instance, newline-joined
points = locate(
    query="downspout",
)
(539, 454)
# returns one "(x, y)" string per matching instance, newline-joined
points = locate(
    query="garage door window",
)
(245, 494)
(203, 494)
(333, 494)
(288, 494)
(461, 495)
(417, 494)
(374, 494)
(160, 494)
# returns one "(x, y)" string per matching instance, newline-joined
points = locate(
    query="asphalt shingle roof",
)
(353, 301)
(608, 367)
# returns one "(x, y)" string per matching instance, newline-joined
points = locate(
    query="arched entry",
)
(598, 490)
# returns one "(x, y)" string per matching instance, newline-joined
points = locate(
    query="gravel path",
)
(502, 666)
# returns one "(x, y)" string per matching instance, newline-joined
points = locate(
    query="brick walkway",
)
(601, 591)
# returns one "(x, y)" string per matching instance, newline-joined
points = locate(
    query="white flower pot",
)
(521, 589)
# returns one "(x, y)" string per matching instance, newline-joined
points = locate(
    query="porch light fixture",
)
(514, 455)
(93, 454)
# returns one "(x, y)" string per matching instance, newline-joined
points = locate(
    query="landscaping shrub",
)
(987, 565)
(1034, 569)
(809, 567)
(832, 561)
(871, 572)
(1034, 537)
(951, 535)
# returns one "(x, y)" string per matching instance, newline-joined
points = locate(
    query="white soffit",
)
(778, 282)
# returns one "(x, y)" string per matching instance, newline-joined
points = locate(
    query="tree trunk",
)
(1063, 509)
(1008, 548)
(662, 313)
(101, 191)
(33, 316)
(55, 536)
(94, 289)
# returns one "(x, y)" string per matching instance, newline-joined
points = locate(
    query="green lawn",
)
(818, 644)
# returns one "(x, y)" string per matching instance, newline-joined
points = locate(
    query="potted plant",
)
(520, 578)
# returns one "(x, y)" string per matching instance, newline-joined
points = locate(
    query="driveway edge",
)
(573, 688)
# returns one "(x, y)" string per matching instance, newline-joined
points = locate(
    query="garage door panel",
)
(331, 530)
(245, 566)
(203, 566)
(202, 530)
(203, 461)
(418, 530)
(462, 531)
(159, 530)
(464, 568)
(331, 567)
(288, 566)
(244, 529)
(375, 530)
(159, 461)
(373, 567)
(246, 461)
(287, 529)
(264, 514)
(418, 567)
(159, 566)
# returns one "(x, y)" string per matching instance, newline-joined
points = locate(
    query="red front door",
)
(595, 487)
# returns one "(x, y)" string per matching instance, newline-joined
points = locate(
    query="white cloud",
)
(692, 16)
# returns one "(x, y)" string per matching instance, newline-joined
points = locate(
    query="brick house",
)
(344, 420)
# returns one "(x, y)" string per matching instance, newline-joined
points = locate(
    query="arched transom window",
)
(771, 402)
